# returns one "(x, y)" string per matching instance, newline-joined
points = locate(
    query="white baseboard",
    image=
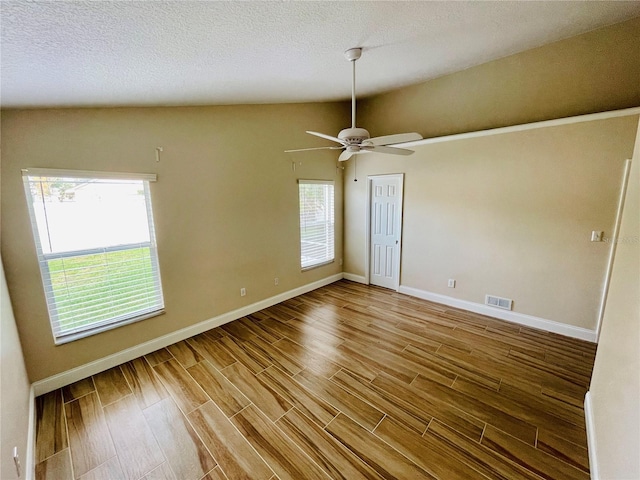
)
(30, 461)
(355, 278)
(509, 316)
(591, 437)
(65, 378)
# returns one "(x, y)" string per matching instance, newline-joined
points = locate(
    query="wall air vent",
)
(499, 302)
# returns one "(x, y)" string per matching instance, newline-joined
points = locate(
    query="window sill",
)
(311, 267)
(72, 337)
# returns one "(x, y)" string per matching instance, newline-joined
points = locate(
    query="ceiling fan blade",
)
(328, 137)
(397, 138)
(344, 156)
(385, 149)
(315, 148)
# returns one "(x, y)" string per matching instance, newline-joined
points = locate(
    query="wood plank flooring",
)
(347, 381)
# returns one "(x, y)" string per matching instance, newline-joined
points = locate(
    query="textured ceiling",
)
(87, 53)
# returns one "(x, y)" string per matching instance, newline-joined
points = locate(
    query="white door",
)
(385, 220)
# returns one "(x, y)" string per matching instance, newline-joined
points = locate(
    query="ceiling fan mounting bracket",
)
(353, 54)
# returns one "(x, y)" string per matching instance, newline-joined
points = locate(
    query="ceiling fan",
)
(356, 140)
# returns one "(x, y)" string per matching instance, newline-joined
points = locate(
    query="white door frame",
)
(398, 258)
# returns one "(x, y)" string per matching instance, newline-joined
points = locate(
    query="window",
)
(96, 247)
(316, 223)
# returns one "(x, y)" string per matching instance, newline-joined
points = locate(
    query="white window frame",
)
(61, 335)
(329, 221)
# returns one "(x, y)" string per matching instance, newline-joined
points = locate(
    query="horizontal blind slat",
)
(110, 302)
(89, 318)
(98, 325)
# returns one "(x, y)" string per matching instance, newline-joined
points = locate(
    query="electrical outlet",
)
(243, 292)
(276, 281)
(451, 283)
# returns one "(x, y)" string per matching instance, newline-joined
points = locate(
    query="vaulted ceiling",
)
(110, 53)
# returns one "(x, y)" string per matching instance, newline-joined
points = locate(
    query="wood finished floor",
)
(347, 381)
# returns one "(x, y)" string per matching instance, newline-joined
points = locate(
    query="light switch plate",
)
(596, 236)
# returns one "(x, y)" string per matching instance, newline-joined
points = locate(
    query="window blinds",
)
(96, 247)
(317, 222)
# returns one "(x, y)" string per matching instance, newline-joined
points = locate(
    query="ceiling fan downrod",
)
(352, 55)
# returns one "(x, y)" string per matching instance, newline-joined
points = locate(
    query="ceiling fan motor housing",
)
(353, 135)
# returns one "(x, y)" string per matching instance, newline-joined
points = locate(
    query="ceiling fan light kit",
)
(355, 140)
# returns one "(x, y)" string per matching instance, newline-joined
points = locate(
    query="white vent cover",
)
(498, 302)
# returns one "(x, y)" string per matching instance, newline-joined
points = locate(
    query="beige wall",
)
(509, 215)
(593, 72)
(615, 385)
(225, 208)
(14, 389)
